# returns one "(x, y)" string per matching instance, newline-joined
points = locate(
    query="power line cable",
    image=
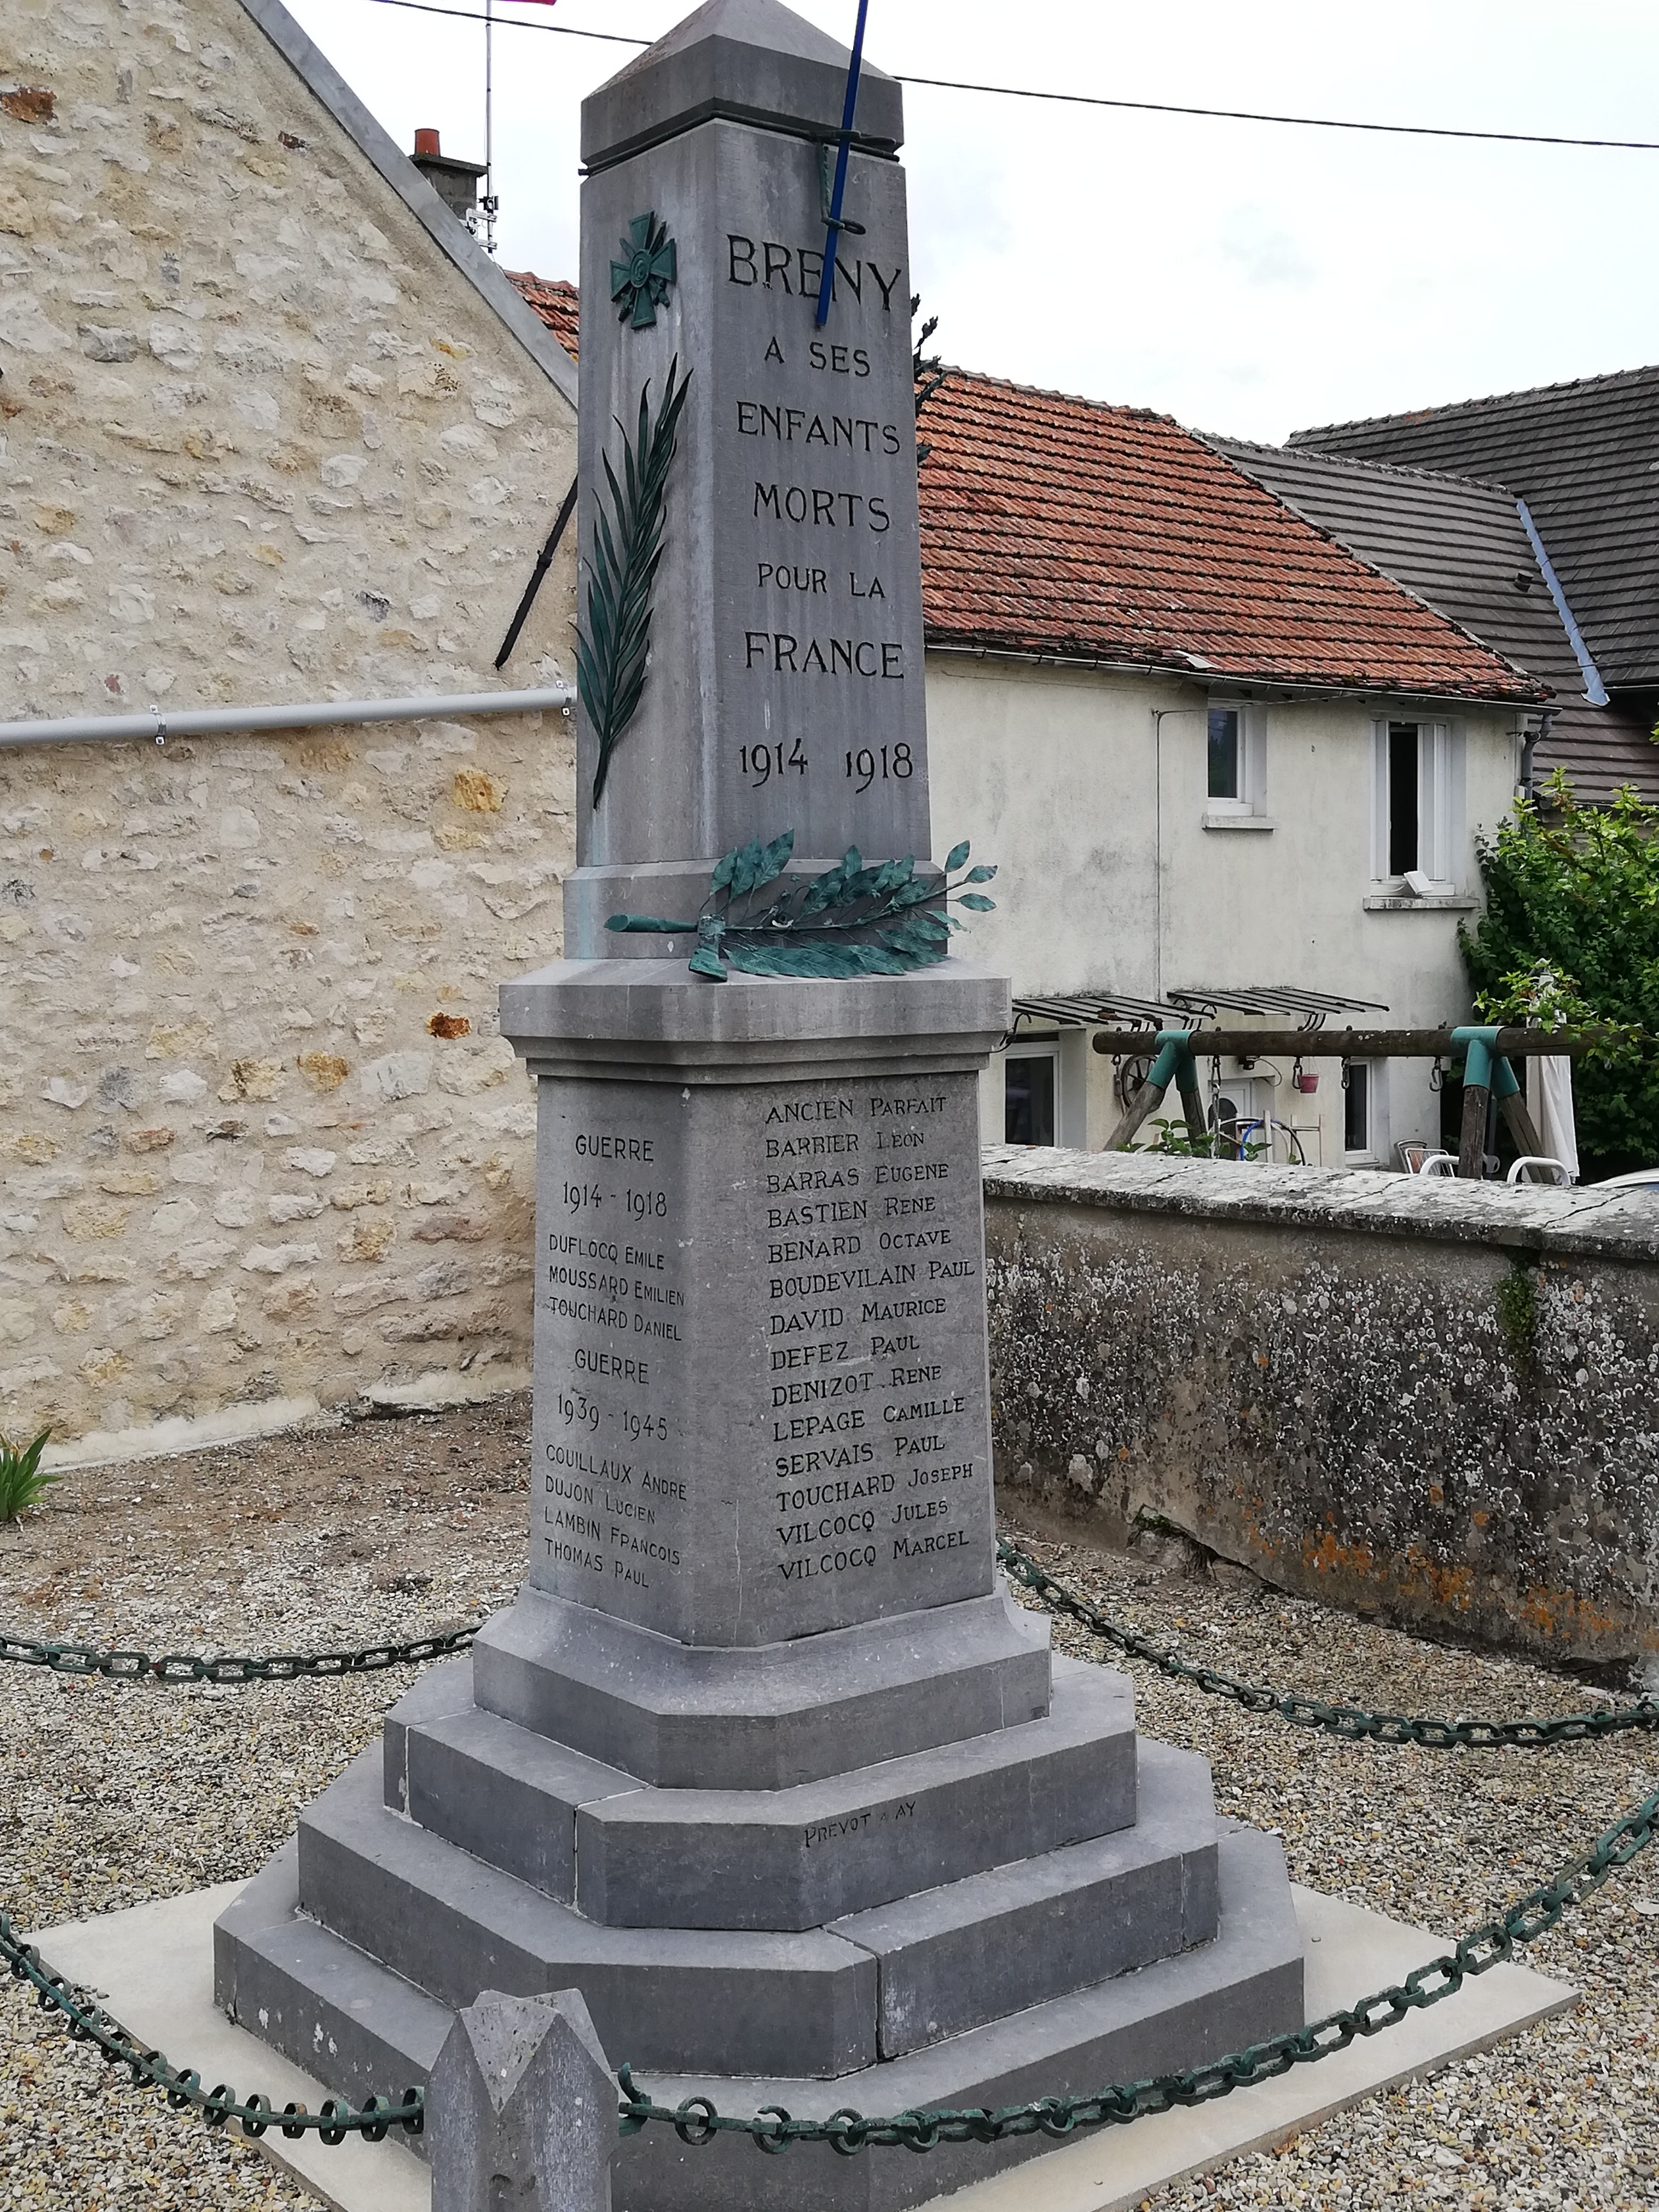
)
(517, 22)
(1100, 100)
(1305, 122)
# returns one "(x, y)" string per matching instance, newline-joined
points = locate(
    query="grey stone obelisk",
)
(761, 1403)
(763, 1760)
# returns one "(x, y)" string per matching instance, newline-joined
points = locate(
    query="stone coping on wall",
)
(1594, 1222)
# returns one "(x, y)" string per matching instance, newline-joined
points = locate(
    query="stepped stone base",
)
(1044, 1904)
(687, 1715)
(342, 2014)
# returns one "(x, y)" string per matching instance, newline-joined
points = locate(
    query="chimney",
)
(456, 182)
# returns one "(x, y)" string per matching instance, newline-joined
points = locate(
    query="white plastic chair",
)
(1439, 1163)
(1538, 1160)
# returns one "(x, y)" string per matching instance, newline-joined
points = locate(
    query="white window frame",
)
(1069, 1050)
(1250, 809)
(1441, 804)
(1039, 1049)
(1376, 1150)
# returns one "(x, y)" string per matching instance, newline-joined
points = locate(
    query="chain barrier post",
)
(524, 2109)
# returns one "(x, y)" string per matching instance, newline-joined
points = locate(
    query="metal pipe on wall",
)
(228, 722)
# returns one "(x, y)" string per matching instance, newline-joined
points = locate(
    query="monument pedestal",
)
(763, 1759)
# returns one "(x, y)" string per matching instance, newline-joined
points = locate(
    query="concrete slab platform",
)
(152, 1965)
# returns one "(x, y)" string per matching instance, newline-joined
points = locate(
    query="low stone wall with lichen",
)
(1440, 1399)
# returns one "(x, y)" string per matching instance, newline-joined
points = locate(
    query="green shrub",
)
(1570, 936)
(1176, 1141)
(23, 1481)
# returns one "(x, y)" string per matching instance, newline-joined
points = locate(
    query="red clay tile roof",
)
(1055, 526)
(554, 301)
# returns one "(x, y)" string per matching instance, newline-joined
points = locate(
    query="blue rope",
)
(827, 282)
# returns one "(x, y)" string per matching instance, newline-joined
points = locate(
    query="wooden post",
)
(1519, 1123)
(1174, 1064)
(1472, 1142)
(1147, 1100)
(1192, 1102)
(1481, 1074)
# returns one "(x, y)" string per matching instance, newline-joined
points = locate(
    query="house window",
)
(1404, 828)
(1357, 1109)
(1226, 744)
(1418, 805)
(1236, 768)
(1029, 1099)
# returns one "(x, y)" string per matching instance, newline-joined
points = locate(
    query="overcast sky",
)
(1244, 278)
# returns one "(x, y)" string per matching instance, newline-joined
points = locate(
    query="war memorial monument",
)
(762, 1758)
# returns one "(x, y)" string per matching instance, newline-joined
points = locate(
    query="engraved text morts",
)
(762, 1758)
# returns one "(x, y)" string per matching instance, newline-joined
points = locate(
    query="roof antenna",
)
(490, 204)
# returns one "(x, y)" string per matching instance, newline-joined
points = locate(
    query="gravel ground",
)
(113, 1794)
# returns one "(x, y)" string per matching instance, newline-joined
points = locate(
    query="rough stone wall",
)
(261, 1145)
(1438, 1400)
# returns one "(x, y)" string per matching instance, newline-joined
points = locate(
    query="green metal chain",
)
(88, 2023)
(696, 2120)
(177, 1667)
(1350, 1723)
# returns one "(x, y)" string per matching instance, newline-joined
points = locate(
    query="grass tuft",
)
(23, 1481)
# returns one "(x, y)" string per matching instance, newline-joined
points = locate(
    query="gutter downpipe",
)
(1529, 744)
(224, 722)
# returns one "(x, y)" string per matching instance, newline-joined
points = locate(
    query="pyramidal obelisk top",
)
(784, 685)
(751, 61)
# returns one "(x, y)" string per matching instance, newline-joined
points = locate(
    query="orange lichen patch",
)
(1450, 1586)
(29, 103)
(1327, 1556)
(1412, 1576)
(478, 791)
(1561, 1613)
(448, 1025)
(323, 1071)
